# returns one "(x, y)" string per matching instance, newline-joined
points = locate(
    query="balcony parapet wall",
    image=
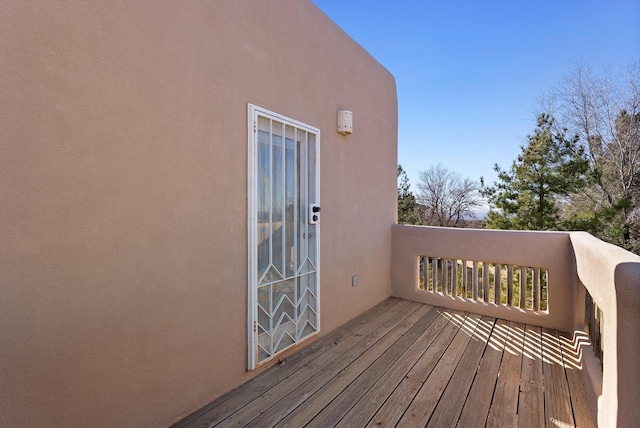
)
(548, 250)
(611, 275)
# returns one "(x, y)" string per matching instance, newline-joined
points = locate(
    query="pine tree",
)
(550, 167)
(408, 210)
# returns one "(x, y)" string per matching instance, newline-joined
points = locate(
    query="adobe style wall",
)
(549, 250)
(611, 275)
(123, 175)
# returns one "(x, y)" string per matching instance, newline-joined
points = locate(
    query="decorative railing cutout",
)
(524, 287)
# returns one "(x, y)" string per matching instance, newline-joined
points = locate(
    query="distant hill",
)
(478, 215)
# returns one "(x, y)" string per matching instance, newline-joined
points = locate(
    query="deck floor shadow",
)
(409, 364)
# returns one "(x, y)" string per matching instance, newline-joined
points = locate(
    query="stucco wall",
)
(550, 250)
(612, 277)
(123, 175)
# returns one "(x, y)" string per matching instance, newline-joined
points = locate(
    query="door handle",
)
(314, 213)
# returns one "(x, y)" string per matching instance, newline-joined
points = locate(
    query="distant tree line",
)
(578, 170)
(443, 198)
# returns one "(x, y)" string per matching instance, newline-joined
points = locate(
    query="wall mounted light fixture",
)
(345, 122)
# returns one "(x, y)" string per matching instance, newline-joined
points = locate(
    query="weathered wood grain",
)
(429, 394)
(556, 389)
(531, 404)
(450, 405)
(504, 405)
(407, 364)
(476, 407)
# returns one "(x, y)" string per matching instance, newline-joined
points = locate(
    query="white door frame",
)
(252, 326)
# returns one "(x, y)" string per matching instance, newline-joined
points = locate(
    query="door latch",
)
(314, 213)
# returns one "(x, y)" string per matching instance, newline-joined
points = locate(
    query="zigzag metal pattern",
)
(280, 320)
(304, 295)
(277, 348)
(266, 314)
(300, 334)
(304, 306)
(269, 269)
(304, 310)
(306, 261)
(280, 302)
(266, 351)
(262, 330)
(307, 319)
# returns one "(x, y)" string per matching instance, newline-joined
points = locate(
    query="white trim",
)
(318, 227)
(252, 310)
(281, 118)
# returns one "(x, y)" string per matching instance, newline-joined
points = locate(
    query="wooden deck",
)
(408, 364)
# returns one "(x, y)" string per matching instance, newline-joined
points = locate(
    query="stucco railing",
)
(508, 285)
(487, 266)
(425, 265)
(611, 275)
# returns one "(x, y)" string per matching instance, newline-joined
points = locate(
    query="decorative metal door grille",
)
(283, 243)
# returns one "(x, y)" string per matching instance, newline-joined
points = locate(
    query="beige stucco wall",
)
(612, 277)
(550, 250)
(123, 175)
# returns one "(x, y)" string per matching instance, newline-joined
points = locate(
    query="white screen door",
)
(284, 217)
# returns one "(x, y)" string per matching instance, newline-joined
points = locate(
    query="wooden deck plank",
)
(315, 354)
(312, 373)
(275, 411)
(393, 409)
(427, 398)
(353, 392)
(406, 364)
(531, 403)
(450, 405)
(504, 405)
(360, 414)
(556, 389)
(572, 364)
(364, 369)
(476, 407)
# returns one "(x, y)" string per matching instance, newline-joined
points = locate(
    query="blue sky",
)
(469, 73)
